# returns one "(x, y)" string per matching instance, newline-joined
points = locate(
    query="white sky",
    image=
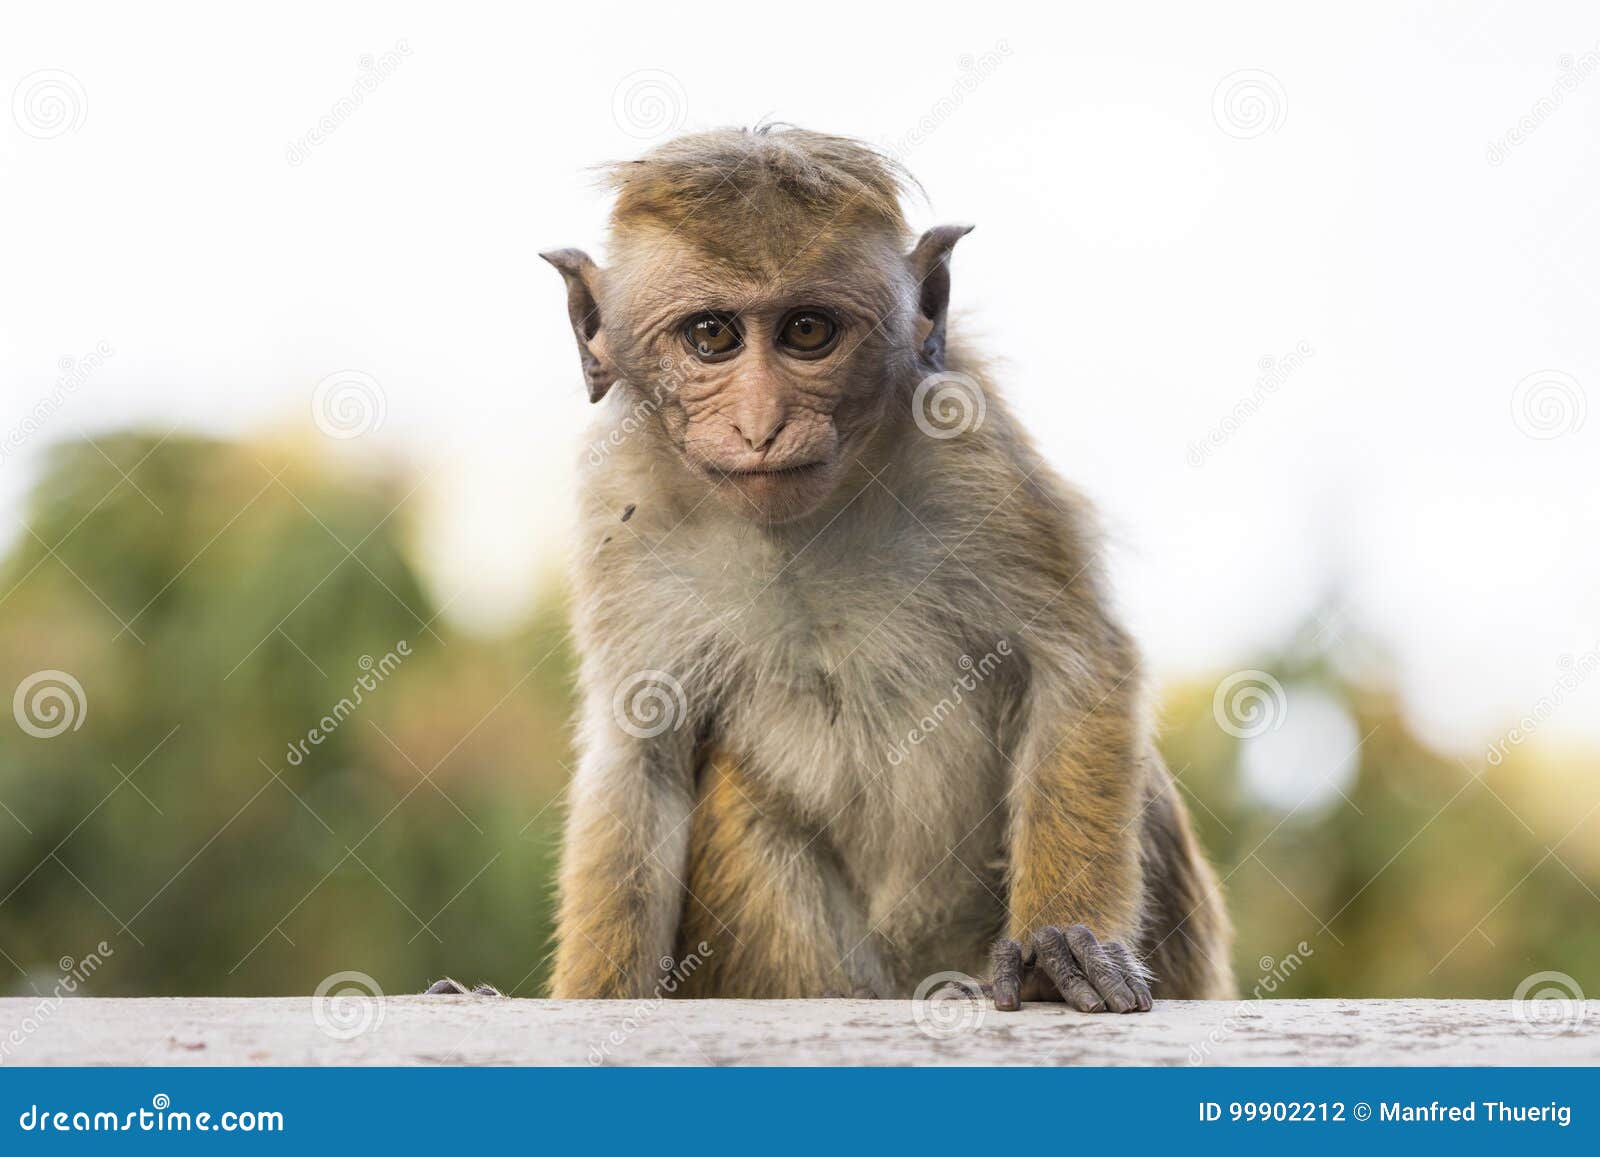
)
(1133, 261)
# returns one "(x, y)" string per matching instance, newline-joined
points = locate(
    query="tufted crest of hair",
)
(752, 176)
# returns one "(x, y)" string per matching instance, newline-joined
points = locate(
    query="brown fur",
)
(1186, 932)
(606, 932)
(807, 603)
(753, 891)
(736, 173)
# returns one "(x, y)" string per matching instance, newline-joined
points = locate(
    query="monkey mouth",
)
(776, 493)
(776, 473)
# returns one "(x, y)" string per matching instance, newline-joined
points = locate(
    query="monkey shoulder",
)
(1031, 557)
(1005, 513)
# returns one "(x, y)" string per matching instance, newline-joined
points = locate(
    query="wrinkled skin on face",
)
(772, 428)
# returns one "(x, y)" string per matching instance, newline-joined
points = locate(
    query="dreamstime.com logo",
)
(1549, 404)
(1548, 1004)
(649, 103)
(1572, 72)
(1575, 671)
(1275, 371)
(649, 703)
(1275, 972)
(673, 975)
(49, 703)
(974, 673)
(49, 103)
(160, 1117)
(373, 70)
(947, 1004)
(1249, 103)
(75, 974)
(972, 71)
(348, 404)
(1249, 703)
(373, 673)
(347, 1004)
(948, 404)
(673, 373)
(74, 372)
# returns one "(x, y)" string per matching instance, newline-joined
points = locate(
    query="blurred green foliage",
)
(217, 601)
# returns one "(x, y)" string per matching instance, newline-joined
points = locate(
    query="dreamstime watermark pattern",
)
(348, 1004)
(49, 703)
(49, 103)
(1549, 404)
(1574, 70)
(1249, 703)
(373, 71)
(374, 672)
(649, 103)
(1575, 671)
(976, 672)
(948, 1004)
(74, 373)
(674, 974)
(1249, 103)
(948, 404)
(1274, 373)
(1275, 972)
(1549, 1004)
(973, 71)
(349, 403)
(74, 974)
(648, 703)
(159, 1118)
(644, 407)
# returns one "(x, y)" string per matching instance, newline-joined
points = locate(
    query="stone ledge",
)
(415, 1030)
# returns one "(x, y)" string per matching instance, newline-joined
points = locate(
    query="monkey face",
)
(776, 389)
(756, 411)
(767, 377)
(762, 308)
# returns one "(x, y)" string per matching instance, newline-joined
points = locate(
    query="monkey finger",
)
(1134, 972)
(451, 987)
(1006, 964)
(1055, 957)
(1102, 971)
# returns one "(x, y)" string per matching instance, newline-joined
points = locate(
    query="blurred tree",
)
(1404, 871)
(221, 604)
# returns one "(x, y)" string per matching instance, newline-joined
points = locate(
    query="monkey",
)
(856, 711)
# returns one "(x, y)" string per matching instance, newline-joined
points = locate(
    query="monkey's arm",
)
(1076, 887)
(624, 854)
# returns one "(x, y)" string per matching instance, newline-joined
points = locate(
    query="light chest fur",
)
(853, 672)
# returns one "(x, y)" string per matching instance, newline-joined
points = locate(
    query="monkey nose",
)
(758, 436)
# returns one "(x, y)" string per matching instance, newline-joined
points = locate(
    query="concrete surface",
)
(417, 1030)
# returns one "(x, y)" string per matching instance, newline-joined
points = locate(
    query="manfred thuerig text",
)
(1390, 1112)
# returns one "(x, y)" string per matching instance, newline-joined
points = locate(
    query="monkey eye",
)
(808, 333)
(712, 336)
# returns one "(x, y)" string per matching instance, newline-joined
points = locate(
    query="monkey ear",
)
(930, 267)
(582, 277)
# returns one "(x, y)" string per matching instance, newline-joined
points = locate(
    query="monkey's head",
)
(765, 305)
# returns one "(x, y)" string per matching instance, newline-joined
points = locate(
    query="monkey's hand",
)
(1070, 965)
(449, 987)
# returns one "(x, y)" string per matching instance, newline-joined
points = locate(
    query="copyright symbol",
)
(1363, 1111)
